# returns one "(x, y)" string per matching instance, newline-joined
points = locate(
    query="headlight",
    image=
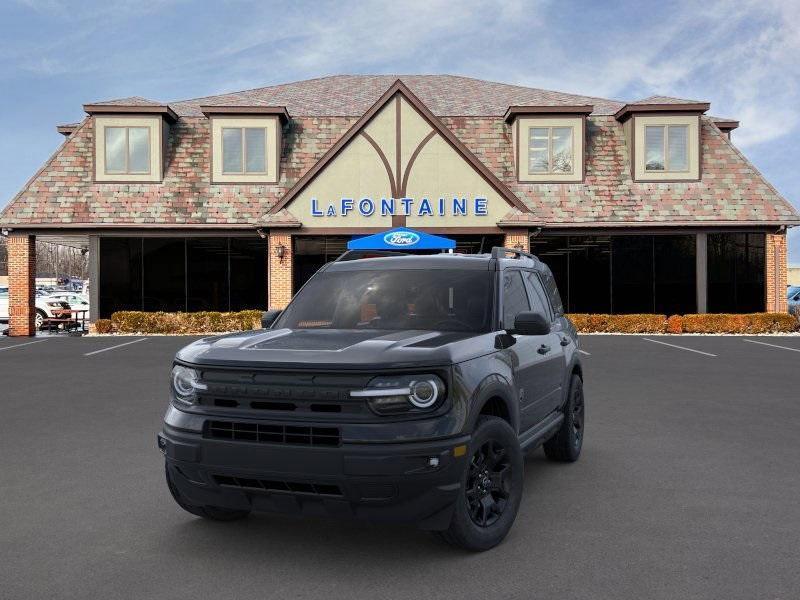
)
(402, 393)
(185, 384)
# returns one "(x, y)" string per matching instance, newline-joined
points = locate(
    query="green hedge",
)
(196, 322)
(706, 323)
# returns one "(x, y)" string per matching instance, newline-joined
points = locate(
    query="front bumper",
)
(412, 482)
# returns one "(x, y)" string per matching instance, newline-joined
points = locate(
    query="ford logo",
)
(401, 238)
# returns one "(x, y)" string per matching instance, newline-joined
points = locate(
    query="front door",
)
(530, 355)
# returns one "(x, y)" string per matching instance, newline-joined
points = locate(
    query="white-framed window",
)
(666, 148)
(550, 150)
(127, 150)
(244, 150)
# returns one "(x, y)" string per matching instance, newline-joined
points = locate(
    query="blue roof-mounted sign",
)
(401, 238)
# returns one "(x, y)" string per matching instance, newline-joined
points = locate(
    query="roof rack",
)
(358, 254)
(499, 252)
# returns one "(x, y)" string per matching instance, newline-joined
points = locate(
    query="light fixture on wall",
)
(4, 231)
(280, 252)
(261, 233)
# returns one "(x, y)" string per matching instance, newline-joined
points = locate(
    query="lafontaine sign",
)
(422, 207)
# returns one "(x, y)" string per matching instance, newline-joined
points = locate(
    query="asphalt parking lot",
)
(688, 488)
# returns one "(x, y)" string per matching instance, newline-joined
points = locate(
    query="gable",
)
(399, 161)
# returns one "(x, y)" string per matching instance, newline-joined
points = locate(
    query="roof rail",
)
(498, 252)
(357, 254)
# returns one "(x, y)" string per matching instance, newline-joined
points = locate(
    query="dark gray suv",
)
(393, 387)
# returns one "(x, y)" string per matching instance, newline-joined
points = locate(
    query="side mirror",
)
(531, 323)
(268, 318)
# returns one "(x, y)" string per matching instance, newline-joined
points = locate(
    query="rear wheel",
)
(566, 444)
(491, 489)
(215, 513)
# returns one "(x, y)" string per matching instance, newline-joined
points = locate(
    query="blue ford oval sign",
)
(401, 238)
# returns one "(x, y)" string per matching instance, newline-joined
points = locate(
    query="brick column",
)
(775, 273)
(280, 270)
(517, 237)
(21, 284)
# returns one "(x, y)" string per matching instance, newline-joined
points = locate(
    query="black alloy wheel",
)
(577, 416)
(488, 483)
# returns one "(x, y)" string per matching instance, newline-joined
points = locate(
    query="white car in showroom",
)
(46, 307)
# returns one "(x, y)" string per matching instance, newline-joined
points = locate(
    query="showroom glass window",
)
(736, 265)
(127, 150)
(244, 150)
(182, 274)
(666, 148)
(550, 150)
(622, 274)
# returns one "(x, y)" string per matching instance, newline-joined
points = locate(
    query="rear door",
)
(527, 359)
(554, 363)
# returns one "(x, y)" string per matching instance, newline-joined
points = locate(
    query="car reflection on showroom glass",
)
(393, 300)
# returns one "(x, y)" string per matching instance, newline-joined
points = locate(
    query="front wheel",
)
(215, 513)
(39, 318)
(491, 488)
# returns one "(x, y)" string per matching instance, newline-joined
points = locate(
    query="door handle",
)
(543, 349)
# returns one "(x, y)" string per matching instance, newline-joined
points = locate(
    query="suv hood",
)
(338, 348)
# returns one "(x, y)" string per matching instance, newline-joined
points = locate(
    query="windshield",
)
(439, 300)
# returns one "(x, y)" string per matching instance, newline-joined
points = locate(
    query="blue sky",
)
(56, 55)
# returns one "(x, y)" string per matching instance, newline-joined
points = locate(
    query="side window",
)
(552, 292)
(537, 295)
(515, 298)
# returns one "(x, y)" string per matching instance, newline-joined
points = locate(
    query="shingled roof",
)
(731, 191)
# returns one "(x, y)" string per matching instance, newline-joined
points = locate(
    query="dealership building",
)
(233, 201)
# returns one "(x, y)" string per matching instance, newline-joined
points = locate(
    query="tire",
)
(214, 513)
(39, 318)
(566, 444)
(492, 482)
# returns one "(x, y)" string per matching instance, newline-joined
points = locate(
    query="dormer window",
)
(550, 150)
(548, 142)
(127, 150)
(129, 140)
(244, 150)
(245, 143)
(666, 148)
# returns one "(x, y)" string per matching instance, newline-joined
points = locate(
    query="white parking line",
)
(680, 347)
(113, 347)
(771, 345)
(584, 352)
(20, 345)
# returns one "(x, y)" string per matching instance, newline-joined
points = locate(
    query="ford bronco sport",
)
(395, 387)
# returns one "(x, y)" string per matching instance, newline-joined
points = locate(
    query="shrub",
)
(619, 323)
(746, 323)
(675, 324)
(103, 326)
(197, 322)
(706, 323)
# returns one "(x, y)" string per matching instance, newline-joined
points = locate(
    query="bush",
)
(747, 323)
(103, 326)
(197, 322)
(707, 323)
(675, 324)
(619, 323)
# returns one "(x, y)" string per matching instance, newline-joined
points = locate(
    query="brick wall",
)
(776, 273)
(280, 271)
(21, 284)
(517, 237)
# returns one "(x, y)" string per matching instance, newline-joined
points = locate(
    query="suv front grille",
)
(289, 487)
(273, 433)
